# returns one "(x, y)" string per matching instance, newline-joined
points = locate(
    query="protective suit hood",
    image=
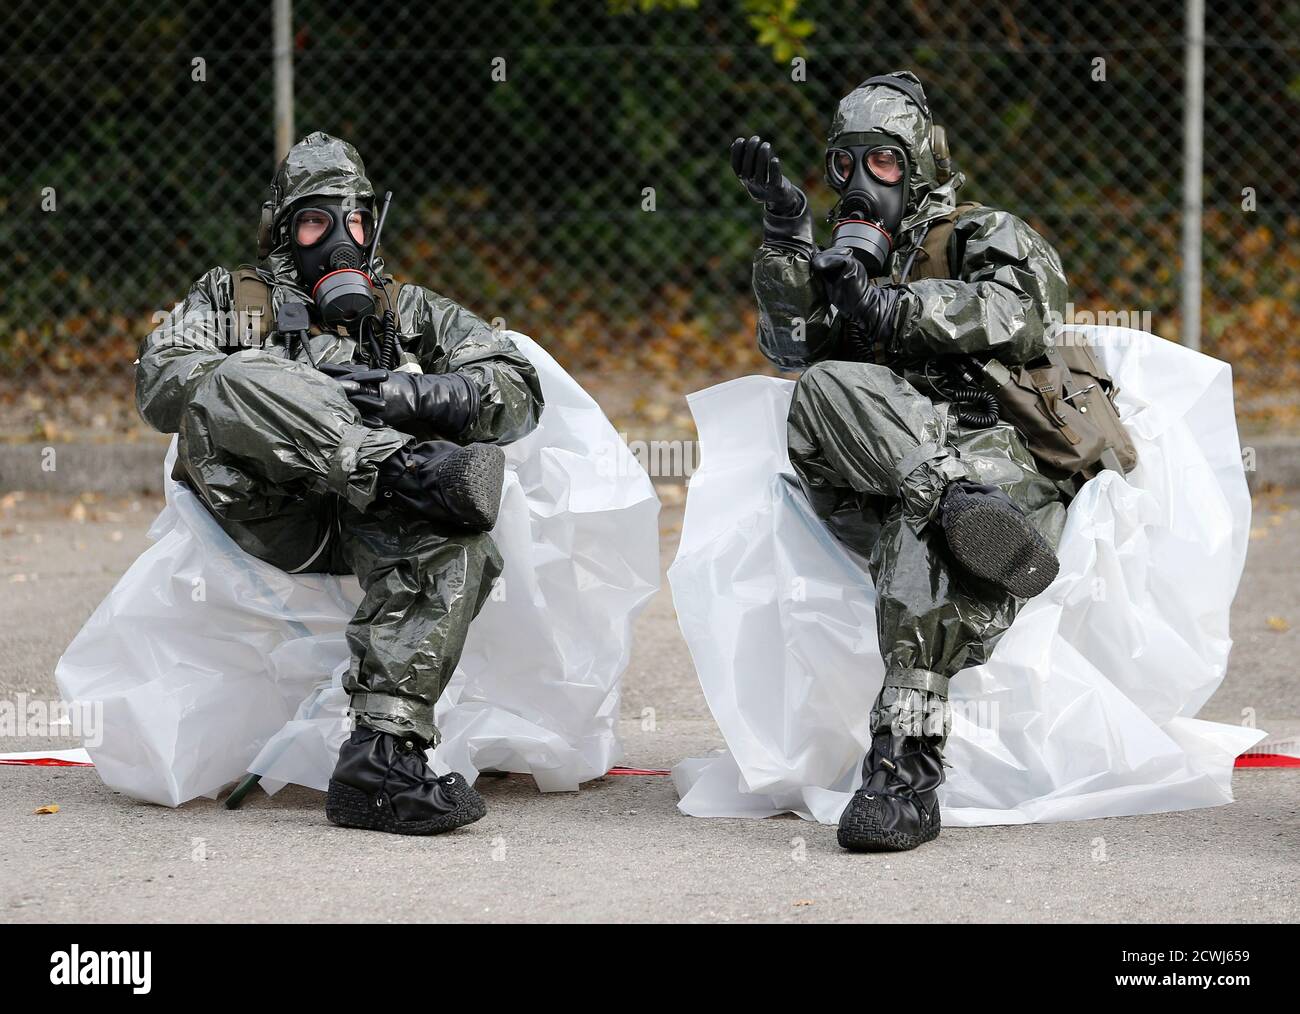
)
(317, 166)
(872, 108)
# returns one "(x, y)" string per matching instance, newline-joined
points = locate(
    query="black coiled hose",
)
(974, 405)
(378, 343)
(862, 348)
(391, 351)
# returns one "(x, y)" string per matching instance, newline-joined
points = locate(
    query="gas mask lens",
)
(361, 226)
(310, 226)
(839, 166)
(884, 163)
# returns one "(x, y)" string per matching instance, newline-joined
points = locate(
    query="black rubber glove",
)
(760, 171)
(445, 402)
(874, 307)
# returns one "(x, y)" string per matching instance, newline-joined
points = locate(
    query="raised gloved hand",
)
(873, 307)
(444, 483)
(447, 403)
(759, 170)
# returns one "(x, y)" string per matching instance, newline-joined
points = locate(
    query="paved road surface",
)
(618, 849)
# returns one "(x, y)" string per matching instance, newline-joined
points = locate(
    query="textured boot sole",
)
(1000, 545)
(860, 831)
(350, 807)
(471, 480)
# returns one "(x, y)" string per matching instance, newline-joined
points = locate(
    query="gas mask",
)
(330, 238)
(870, 177)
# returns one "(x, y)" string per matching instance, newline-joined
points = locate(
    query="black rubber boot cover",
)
(897, 807)
(994, 539)
(446, 483)
(382, 782)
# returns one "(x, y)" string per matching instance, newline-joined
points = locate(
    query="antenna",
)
(379, 228)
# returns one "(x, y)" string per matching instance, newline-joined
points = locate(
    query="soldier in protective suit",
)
(323, 440)
(894, 445)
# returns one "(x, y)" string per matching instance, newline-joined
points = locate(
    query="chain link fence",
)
(563, 166)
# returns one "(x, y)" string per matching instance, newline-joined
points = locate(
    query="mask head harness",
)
(870, 171)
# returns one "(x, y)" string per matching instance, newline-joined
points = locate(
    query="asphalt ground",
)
(618, 849)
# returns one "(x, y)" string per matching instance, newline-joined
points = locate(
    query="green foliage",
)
(524, 197)
(647, 6)
(779, 27)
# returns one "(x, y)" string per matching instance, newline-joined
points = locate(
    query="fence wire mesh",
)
(520, 140)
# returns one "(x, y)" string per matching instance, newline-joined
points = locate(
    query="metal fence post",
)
(1193, 168)
(283, 57)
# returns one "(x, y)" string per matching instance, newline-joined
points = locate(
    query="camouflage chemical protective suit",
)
(874, 445)
(279, 455)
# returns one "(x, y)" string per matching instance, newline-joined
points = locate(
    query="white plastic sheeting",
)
(1086, 707)
(209, 663)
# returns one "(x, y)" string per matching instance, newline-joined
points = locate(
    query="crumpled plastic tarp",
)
(1086, 708)
(208, 663)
